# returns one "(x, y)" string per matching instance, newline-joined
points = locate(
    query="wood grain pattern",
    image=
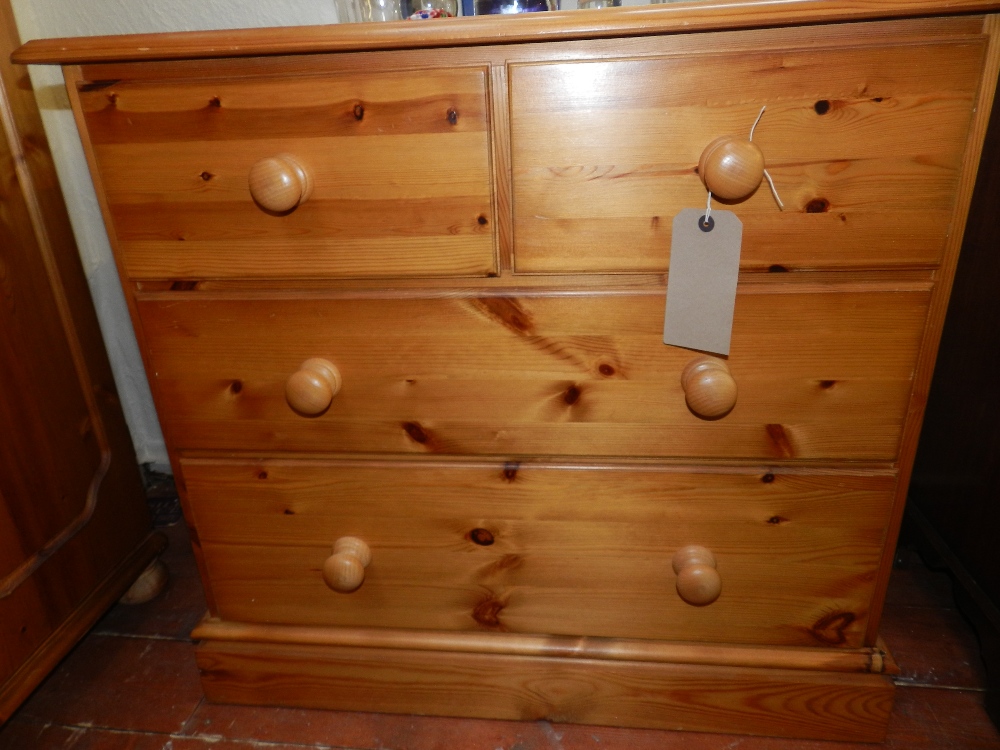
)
(279, 183)
(731, 167)
(748, 39)
(73, 77)
(500, 139)
(873, 660)
(834, 202)
(54, 445)
(310, 389)
(549, 346)
(507, 548)
(44, 658)
(698, 580)
(344, 570)
(752, 701)
(399, 166)
(939, 302)
(709, 388)
(567, 374)
(476, 30)
(775, 281)
(71, 501)
(864, 144)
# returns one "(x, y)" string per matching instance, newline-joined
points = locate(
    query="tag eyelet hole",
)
(706, 224)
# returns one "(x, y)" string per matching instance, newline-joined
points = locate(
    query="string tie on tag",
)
(770, 182)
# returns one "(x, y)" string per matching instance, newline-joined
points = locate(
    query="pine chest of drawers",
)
(400, 295)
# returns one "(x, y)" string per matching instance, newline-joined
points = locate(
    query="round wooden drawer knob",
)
(280, 183)
(731, 167)
(344, 570)
(312, 387)
(709, 388)
(698, 581)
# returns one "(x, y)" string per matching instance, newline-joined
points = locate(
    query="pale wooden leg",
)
(148, 585)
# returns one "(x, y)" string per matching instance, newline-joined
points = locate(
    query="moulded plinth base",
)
(801, 703)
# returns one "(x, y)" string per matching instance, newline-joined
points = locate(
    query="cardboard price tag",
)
(701, 285)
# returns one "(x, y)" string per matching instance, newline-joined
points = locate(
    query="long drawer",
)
(544, 549)
(396, 163)
(820, 375)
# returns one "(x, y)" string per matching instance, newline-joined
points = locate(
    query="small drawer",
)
(354, 175)
(865, 145)
(540, 549)
(819, 375)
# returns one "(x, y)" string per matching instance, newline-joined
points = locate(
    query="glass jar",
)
(363, 11)
(488, 7)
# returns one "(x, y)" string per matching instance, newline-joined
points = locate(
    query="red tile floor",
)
(132, 684)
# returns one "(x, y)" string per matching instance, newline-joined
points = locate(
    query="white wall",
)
(37, 19)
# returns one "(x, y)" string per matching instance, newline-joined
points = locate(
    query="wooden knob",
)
(311, 388)
(709, 388)
(344, 570)
(731, 167)
(280, 183)
(698, 581)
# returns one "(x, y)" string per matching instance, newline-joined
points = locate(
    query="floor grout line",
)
(207, 739)
(142, 636)
(33, 720)
(184, 725)
(210, 739)
(906, 683)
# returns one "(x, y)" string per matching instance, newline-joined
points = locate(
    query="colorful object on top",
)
(430, 13)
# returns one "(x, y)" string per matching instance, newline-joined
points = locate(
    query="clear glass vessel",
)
(362, 11)
(489, 7)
